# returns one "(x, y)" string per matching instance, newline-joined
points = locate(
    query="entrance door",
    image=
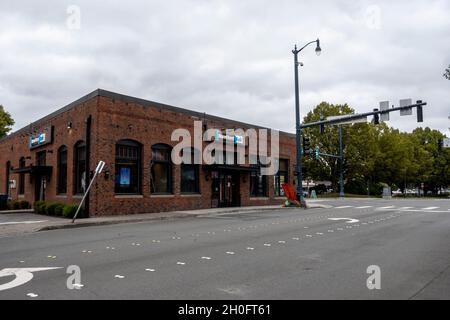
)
(40, 180)
(226, 189)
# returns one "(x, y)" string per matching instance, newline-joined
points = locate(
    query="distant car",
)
(397, 192)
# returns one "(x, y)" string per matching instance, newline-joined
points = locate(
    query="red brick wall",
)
(113, 120)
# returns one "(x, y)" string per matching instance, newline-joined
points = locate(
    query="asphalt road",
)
(280, 254)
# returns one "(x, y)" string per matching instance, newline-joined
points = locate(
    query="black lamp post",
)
(298, 137)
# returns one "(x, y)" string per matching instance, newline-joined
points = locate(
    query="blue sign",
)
(41, 138)
(125, 176)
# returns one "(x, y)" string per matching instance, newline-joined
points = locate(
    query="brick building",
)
(49, 159)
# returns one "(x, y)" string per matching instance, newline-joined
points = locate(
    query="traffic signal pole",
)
(341, 165)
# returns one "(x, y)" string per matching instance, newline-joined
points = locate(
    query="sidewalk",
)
(26, 222)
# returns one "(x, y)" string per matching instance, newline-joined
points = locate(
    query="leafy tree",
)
(376, 155)
(6, 122)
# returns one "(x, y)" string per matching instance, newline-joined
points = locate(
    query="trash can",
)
(3, 201)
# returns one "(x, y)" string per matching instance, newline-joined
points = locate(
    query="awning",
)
(34, 170)
(231, 167)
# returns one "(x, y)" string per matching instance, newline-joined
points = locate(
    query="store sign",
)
(41, 138)
(236, 139)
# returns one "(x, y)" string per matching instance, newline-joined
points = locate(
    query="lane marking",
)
(181, 263)
(281, 241)
(229, 252)
(343, 207)
(118, 276)
(267, 244)
(206, 258)
(250, 248)
(388, 207)
(430, 208)
(78, 285)
(22, 222)
(319, 233)
(32, 295)
(350, 220)
(364, 207)
(22, 276)
(151, 270)
(295, 238)
(308, 235)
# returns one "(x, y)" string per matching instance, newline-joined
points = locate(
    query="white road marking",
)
(22, 222)
(150, 270)
(229, 252)
(281, 241)
(156, 241)
(388, 207)
(430, 208)
(305, 227)
(343, 207)
(118, 276)
(350, 220)
(23, 275)
(363, 207)
(51, 257)
(78, 285)
(330, 231)
(181, 263)
(32, 295)
(267, 244)
(295, 238)
(319, 233)
(250, 248)
(206, 258)
(404, 208)
(308, 235)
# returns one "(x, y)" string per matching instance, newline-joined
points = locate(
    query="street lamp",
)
(298, 136)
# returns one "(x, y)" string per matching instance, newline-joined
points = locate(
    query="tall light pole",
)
(298, 132)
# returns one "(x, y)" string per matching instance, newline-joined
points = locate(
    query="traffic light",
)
(419, 112)
(316, 153)
(306, 145)
(376, 118)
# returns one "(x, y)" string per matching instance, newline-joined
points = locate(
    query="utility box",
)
(387, 194)
(3, 201)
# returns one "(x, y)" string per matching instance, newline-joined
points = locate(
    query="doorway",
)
(225, 189)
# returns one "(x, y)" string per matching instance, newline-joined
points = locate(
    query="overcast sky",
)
(227, 58)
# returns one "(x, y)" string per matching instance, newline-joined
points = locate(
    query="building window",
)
(189, 173)
(161, 169)
(128, 167)
(62, 170)
(80, 167)
(22, 176)
(258, 184)
(281, 177)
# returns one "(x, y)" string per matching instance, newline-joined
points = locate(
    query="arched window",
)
(22, 176)
(62, 170)
(128, 167)
(161, 169)
(190, 172)
(79, 167)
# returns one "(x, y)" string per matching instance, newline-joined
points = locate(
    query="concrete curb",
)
(166, 216)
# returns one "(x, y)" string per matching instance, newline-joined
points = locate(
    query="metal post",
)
(298, 136)
(341, 160)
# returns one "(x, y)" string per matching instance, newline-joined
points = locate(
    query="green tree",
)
(6, 122)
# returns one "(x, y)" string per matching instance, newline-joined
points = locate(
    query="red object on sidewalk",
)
(290, 193)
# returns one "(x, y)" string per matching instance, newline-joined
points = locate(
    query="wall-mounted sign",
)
(41, 138)
(236, 139)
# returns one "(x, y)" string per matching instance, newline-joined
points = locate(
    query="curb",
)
(178, 215)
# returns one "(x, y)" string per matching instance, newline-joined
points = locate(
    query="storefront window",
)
(62, 170)
(22, 176)
(281, 177)
(258, 184)
(80, 168)
(161, 169)
(189, 174)
(128, 167)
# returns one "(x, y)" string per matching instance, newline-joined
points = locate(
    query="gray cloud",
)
(228, 58)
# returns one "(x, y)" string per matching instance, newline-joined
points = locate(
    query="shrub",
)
(39, 207)
(69, 211)
(59, 209)
(50, 209)
(24, 204)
